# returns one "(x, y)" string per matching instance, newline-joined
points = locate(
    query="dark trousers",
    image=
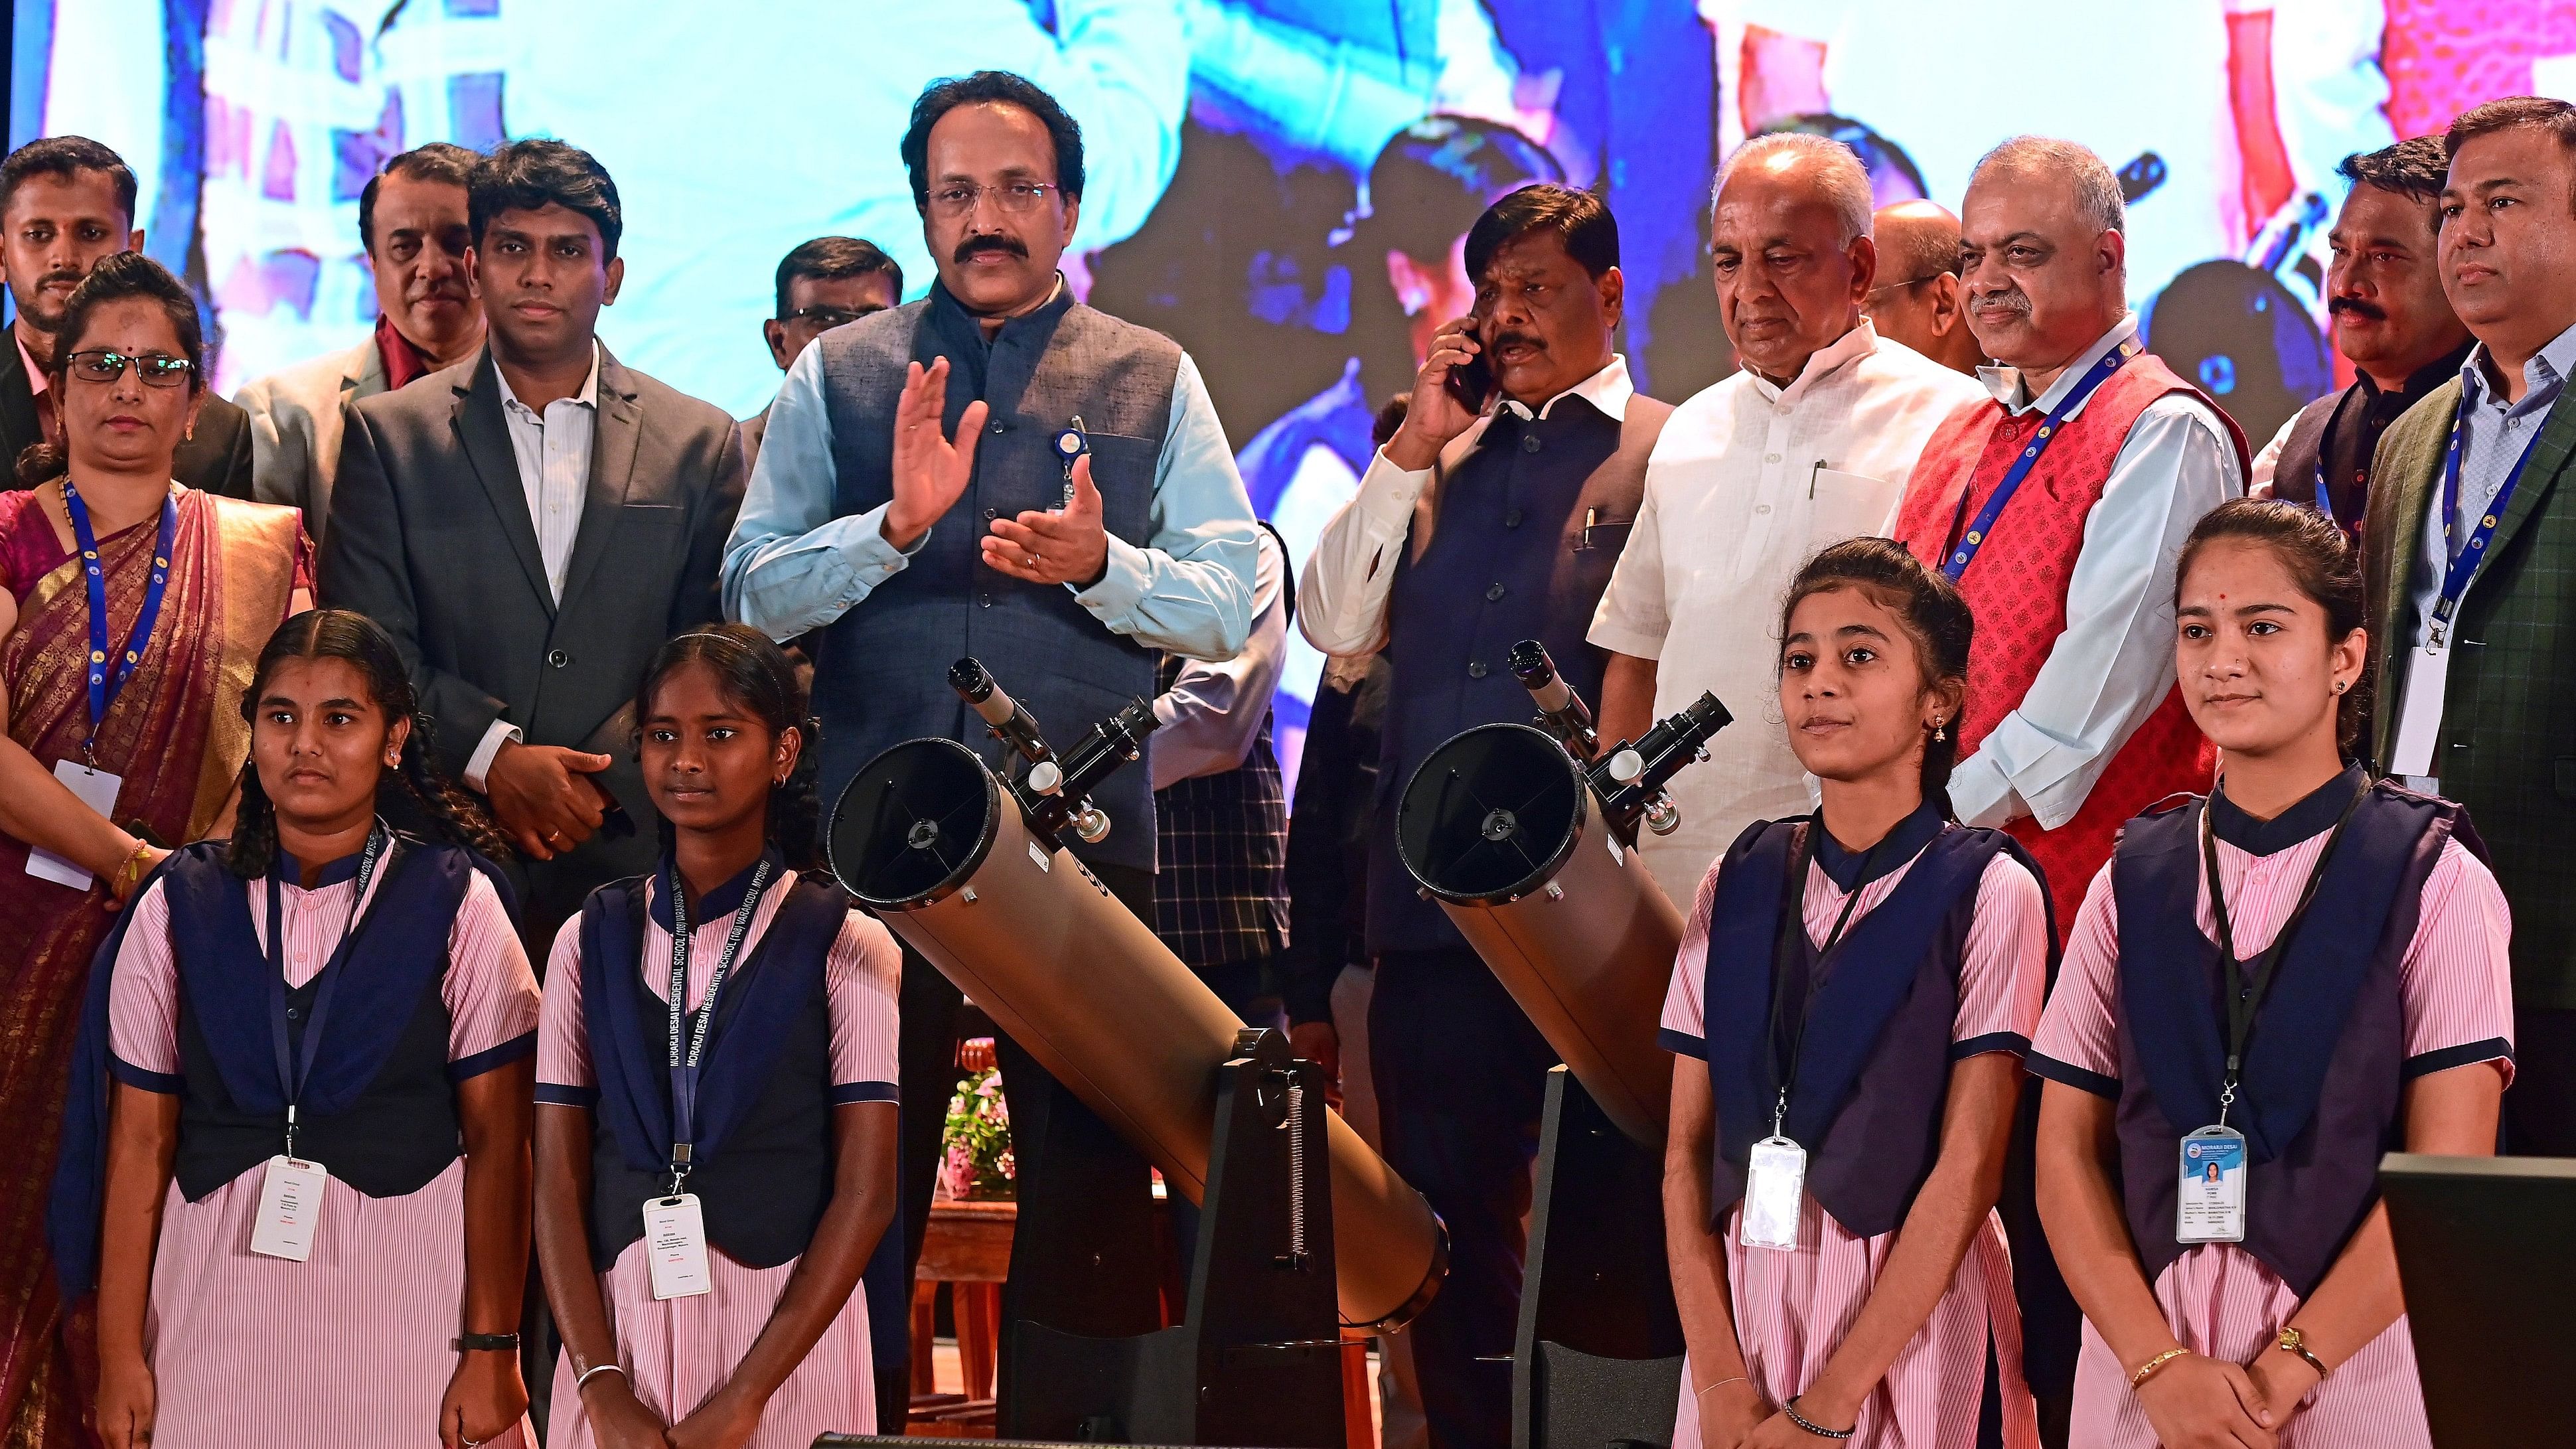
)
(1461, 1079)
(2540, 1111)
(1082, 1254)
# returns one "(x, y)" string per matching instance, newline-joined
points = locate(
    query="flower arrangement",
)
(977, 1162)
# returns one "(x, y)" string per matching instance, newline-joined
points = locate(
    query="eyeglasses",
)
(1011, 198)
(159, 369)
(827, 318)
(1909, 282)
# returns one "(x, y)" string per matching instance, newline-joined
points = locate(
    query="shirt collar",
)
(2005, 383)
(36, 379)
(2543, 373)
(1849, 870)
(716, 904)
(588, 396)
(2423, 379)
(1859, 342)
(1607, 390)
(2314, 815)
(962, 323)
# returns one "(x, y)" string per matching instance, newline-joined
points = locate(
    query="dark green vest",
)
(2507, 749)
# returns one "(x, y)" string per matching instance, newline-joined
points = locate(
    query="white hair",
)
(1838, 174)
(2097, 190)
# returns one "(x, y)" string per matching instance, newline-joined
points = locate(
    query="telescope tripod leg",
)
(1257, 1358)
(1597, 1358)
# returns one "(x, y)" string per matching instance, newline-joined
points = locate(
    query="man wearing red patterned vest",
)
(2059, 507)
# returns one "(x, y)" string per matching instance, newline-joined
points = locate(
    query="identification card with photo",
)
(1775, 1184)
(290, 1209)
(95, 789)
(675, 1235)
(2210, 1205)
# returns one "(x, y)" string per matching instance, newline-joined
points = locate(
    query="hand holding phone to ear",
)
(1448, 394)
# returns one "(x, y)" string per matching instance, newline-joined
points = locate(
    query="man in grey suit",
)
(531, 525)
(412, 221)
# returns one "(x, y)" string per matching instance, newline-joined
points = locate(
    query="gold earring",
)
(1940, 732)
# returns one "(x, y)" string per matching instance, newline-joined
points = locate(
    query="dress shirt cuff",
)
(1982, 793)
(1125, 575)
(479, 763)
(1387, 493)
(818, 576)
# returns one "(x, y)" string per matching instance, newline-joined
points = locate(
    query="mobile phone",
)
(1472, 382)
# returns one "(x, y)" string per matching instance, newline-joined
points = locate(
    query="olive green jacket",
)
(2507, 747)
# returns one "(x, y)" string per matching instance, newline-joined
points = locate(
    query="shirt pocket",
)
(1847, 505)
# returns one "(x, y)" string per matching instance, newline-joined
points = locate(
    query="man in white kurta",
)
(1810, 444)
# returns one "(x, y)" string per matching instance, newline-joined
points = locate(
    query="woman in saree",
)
(131, 613)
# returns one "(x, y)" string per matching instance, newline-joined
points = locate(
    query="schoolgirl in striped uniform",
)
(1854, 992)
(712, 1176)
(2263, 992)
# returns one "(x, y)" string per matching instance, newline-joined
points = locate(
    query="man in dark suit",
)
(65, 202)
(531, 525)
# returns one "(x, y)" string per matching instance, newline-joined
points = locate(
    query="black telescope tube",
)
(1561, 711)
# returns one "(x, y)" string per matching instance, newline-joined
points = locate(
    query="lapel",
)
(17, 400)
(364, 372)
(486, 439)
(616, 431)
(2548, 459)
(2404, 475)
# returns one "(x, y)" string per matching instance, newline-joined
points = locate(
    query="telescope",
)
(1526, 835)
(970, 869)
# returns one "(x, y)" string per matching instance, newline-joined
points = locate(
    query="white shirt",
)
(1341, 597)
(1213, 712)
(1747, 481)
(2115, 662)
(552, 450)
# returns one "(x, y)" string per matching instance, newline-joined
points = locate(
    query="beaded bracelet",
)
(1820, 1431)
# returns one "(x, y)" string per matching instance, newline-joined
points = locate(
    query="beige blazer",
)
(296, 418)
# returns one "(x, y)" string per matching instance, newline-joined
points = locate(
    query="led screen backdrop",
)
(1233, 145)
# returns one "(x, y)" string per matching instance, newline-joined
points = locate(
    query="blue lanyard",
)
(1967, 544)
(2465, 558)
(294, 1069)
(104, 685)
(684, 1069)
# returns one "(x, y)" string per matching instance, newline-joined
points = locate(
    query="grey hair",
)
(1839, 175)
(2097, 190)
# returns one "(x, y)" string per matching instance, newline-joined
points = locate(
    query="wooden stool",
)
(968, 1247)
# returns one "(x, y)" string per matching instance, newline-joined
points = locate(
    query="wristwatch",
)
(2292, 1341)
(487, 1343)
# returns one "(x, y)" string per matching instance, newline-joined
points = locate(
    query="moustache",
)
(2012, 302)
(976, 245)
(66, 277)
(2337, 306)
(1524, 339)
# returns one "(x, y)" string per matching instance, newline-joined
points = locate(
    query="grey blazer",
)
(430, 537)
(295, 420)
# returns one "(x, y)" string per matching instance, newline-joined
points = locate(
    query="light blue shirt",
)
(792, 566)
(2494, 438)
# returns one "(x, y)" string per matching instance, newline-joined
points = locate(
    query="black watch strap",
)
(487, 1342)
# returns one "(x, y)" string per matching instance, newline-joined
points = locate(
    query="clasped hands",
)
(1067, 545)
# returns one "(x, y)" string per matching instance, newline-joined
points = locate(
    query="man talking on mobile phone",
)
(1493, 515)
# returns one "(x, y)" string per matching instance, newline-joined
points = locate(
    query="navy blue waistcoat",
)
(1873, 1076)
(1501, 568)
(882, 673)
(763, 1149)
(2318, 1097)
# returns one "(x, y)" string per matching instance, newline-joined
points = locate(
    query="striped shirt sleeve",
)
(491, 994)
(2457, 978)
(863, 980)
(143, 1000)
(563, 1037)
(2078, 1041)
(2003, 971)
(1683, 1027)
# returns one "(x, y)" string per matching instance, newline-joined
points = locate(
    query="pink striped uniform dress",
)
(2221, 1301)
(354, 1348)
(678, 1353)
(1793, 1308)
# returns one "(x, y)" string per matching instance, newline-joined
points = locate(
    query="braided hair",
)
(355, 638)
(755, 674)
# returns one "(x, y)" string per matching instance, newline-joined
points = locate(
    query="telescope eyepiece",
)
(1530, 664)
(971, 680)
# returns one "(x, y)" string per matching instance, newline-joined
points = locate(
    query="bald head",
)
(1789, 236)
(2042, 254)
(1916, 301)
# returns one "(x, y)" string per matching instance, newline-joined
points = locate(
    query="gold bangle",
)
(2148, 1369)
(125, 870)
(2293, 1341)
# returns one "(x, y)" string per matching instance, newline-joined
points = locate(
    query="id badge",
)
(2419, 718)
(1775, 1183)
(290, 1209)
(675, 1234)
(2210, 1207)
(97, 790)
